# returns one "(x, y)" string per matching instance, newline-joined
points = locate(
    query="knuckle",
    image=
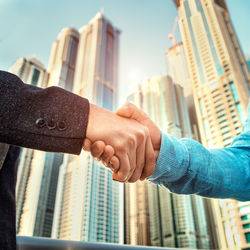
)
(131, 140)
(146, 131)
(140, 134)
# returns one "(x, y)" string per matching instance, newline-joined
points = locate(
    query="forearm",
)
(63, 116)
(186, 167)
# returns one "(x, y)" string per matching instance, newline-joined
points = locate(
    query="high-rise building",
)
(217, 67)
(220, 81)
(177, 69)
(31, 71)
(62, 60)
(98, 198)
(137, 224)
(38, 207)
(175, 220)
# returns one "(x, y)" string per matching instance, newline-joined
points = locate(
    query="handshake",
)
(127, 142)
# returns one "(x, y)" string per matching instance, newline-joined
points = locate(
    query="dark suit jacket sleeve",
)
(51, 119)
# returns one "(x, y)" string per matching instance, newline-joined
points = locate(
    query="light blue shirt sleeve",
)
(186, 167)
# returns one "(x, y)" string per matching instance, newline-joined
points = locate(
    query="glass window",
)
(240, 112)
(247, 237)
(226, 134)
(228, 140)
(234, 92)
(219, 106)
(35, 77)
(202, 107)
(221, 112)
(222, 117)
(223, 122)
(224, 128)
(245, 217)
(246, 226)
(244, 209)
(107, 98)
(206, 128)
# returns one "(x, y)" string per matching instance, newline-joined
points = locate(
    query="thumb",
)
(129, 110)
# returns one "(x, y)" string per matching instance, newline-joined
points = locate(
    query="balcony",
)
(33, 243)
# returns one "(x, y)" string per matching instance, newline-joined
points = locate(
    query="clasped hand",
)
(127, 142)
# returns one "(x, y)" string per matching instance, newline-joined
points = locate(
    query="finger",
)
(129, 110)
(87, 144)
(140, 161)
(150, 161)
(97, 149)
(115, 163)
(123, 172)
(133, 147)
(107, 154)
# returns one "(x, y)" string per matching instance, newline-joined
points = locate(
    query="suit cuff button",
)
(61, 126)
(51, 124)
(40, 122)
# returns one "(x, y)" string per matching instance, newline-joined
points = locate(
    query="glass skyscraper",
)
(99, 215)
(174, 220)
(31, 71)
(220, 81)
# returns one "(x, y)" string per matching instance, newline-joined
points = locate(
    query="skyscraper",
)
(137, 224)
(38, 207)
(62, 60)
(31, 71)
(178, 70)
(217, 67)
(220, 81)
(98, 197)
(175, 220)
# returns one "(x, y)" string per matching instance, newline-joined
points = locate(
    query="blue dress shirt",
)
(186, 167)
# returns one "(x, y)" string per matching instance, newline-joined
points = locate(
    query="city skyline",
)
(149, 22)
(219, 76)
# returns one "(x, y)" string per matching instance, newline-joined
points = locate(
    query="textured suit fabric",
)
(3, 152)
(7, 200)
(49, 119)
(21, 105)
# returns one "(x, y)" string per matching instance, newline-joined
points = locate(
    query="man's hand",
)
(105, 153)
(129, 139)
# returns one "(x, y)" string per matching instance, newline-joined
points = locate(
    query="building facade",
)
(137, 223)
(36, 212)
(220, 81)
(98, 198)
(31, 71)
(174, 220)
(62, 61)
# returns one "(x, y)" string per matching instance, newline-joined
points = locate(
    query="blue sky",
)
(28, 28)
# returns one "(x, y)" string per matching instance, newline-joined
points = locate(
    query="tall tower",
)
(31, 71)
(175, 220)
(38, 207)
(220, 81)
(177, 69)
(62, 60)
(217, 67)
(98, 197)
(137, 224)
